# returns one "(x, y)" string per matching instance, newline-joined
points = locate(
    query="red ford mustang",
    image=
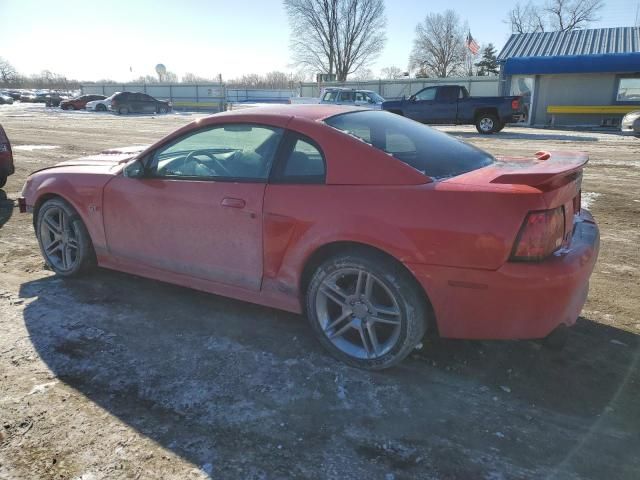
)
(378, 228)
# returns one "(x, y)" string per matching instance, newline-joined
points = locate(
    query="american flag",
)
(472, 45)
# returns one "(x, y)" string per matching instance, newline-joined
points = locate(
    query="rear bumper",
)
(519, 300)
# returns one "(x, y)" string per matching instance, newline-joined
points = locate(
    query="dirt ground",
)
(113, 376)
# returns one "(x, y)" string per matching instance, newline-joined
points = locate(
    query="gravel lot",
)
(113, 376)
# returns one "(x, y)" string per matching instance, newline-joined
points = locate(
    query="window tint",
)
(429, 151)
(628, 90)
(448, 94)
(427, 94)
(233, 151)
(361, 97)
(304, 161)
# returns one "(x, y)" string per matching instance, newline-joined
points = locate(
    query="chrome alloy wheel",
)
(59, 239)
(486, 124)
(358, 313)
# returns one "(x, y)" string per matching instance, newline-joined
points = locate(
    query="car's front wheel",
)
(64, 241)
(101, 108)
(365, 309)
(487, 123)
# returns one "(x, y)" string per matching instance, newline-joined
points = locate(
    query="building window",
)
(628, 90)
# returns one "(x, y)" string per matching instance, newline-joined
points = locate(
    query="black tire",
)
(410, 300)
(500, 127)
(486, 123)
(84, 257)
(3, 179)
(101, 108)
(123, 111)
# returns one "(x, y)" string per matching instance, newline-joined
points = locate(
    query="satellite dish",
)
(161, 69)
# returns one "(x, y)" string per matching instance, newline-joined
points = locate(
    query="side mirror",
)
(412, 98)
(134, 169)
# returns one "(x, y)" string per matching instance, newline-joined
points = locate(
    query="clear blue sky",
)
(88, 40)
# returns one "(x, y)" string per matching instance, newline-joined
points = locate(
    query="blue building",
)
(582, 77)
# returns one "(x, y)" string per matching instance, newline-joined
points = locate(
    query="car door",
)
(148, 103)
(196, 208)
(420, 106)
(445, 108)
(362, 100)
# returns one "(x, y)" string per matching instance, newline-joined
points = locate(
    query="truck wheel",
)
(487, 123)
(101, 108)
(500, 127)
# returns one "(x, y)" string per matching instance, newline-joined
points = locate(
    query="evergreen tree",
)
(488, 64)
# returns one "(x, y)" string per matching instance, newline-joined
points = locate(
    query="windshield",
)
(429, 151)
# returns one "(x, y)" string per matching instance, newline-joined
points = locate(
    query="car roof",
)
(314, 112)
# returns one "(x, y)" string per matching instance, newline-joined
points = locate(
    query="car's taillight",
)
(515, 104)
(541, 234)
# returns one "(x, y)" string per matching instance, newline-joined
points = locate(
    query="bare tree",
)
(193, 78)
(391, 73)
(8, 74)
(438, 49)
(336, 36)
(362, 75)
(555, 15)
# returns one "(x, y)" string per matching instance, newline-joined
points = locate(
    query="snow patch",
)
(588, 198)
(31, 148)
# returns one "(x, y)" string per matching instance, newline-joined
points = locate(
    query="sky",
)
(91, 40)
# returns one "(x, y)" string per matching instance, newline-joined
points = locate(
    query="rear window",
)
(429, 151)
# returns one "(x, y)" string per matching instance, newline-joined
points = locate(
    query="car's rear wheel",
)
(123, 111)
(101, 108)
(64, 241)
(499, 127)
(366, 310)
(486, 123)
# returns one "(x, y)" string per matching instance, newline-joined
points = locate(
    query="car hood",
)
(387, 104)
(103, 161)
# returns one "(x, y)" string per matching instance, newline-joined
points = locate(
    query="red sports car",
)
(80, 102)
(377, 227)
(6, 158)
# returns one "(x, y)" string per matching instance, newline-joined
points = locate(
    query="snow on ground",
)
(31, 148)
(588, 198)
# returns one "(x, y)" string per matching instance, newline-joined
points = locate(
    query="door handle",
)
(233, 202)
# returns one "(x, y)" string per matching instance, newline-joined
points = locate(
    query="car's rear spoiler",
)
(549, 169)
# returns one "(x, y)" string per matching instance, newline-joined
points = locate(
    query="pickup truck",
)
(451, 104)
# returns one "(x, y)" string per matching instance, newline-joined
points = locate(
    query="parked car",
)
(5, 98)
(79, 103)
(27, 97)
(6, 158)
(100, 105)
(438, 237)
(451, 104)
(15, 94)
(349, 96)
(631, 124)
(135, 102)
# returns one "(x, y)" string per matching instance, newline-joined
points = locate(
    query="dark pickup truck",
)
(451, 104)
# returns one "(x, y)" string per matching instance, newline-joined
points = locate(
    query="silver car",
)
(631, 124)
(350, 96)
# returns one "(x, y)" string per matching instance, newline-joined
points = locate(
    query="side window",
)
(304, 162)
(346, 96)
(238, 151)
(361, 97)
(448, 94)
(147, 98)
(427, 94)
(330, 96)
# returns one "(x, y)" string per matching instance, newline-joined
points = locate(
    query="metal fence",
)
(393, 89)
(211, 97)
